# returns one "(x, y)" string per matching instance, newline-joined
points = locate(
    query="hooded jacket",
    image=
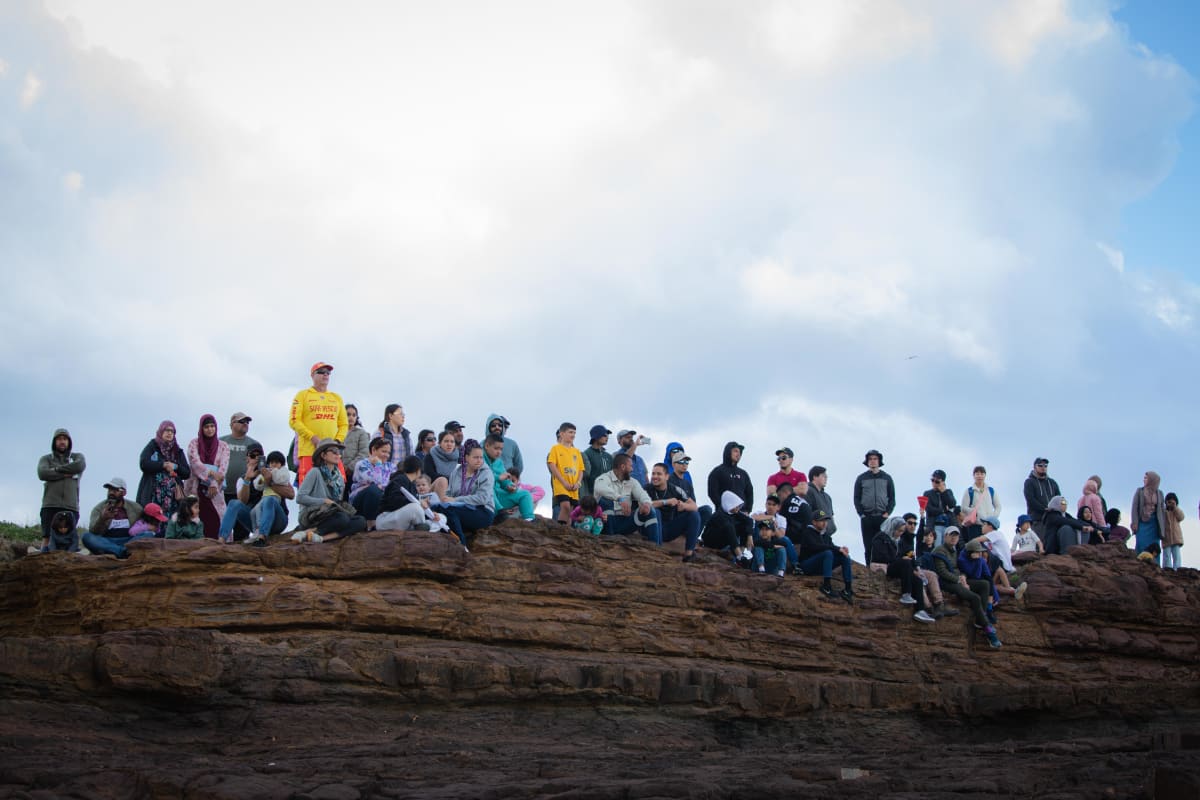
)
(874, 494)
(885, 547)
(511, 454)
(687, 476)
(729, 477)
(61, 473)
(1091, 499)
(1038, 492)
(820, 500)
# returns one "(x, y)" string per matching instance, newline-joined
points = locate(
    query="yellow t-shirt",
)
(570, 463)
(319, 413)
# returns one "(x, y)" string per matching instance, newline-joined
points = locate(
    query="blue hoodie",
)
(687, 476)
(511, 454)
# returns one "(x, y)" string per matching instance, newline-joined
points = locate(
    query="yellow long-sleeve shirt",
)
(317, 413)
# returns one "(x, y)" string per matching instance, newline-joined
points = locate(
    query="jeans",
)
(686, 524)
(776, 559)
(114, 545)
(647, 526)
(1172, 556)
(268, 518)
(824, 561)
(367, 501)
(464, 519)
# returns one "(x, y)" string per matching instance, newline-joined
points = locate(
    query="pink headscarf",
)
(207, 446)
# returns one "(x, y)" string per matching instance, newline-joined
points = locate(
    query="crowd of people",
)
(350, 479)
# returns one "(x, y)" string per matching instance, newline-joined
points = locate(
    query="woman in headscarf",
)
(1063, 530)
(208, 457)
(1147, 514)
(164, 468)
(1091, 500)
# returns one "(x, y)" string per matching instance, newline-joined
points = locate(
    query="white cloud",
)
(31, 90)
(1115, 257)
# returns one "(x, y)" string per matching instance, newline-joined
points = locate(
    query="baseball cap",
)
(625, 432)
(239, 416)
(154, 511)
(938, 475)
(785, 451)
(975, 546)
(597, 431)
(820, 514)
(681, 457)
(453, 425)
(318, 366)
(116, 483)
(1040, 460)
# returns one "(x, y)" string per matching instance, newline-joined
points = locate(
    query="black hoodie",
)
(732, 478)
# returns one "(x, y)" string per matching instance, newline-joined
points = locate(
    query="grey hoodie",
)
(61, 474)
(511, 454)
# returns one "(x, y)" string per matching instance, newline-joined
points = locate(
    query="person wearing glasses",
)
(317, 414)
(323, 517)
(426, 441)
(786, 474)
(239, 443)
(939, 507)
(510, 456)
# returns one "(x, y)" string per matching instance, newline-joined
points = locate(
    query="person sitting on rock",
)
(676, 509)
(729, 530)
(927, 575)
(110, 521)
(998, 557)
(772, 548)
(185, 522)
(977, 594)
(629, 507)
(1062, 530)
(1117, 533)
(885, 551)
(402, 507)
(509, 496)
(818, 554)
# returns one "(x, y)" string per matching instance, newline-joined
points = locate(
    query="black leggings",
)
(342, 523)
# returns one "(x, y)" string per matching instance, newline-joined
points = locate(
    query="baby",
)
(588, 516)
(277, 465)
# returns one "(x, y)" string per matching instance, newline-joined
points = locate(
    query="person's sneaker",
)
(779, 573)
(828, 591)
(946, 612)
(1021, 590)
(689, 558)
(921, 616)
(907, 599)
(847, 595)
(746, 555)
(307, 537)
(254, 538)
(762, 570)
(938, 613)
(993, 640)
(45, 549)
(421, 526)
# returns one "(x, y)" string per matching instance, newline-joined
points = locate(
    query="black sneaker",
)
(847, 595)
(828, 591)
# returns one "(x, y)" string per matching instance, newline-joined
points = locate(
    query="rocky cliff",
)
(546, 663)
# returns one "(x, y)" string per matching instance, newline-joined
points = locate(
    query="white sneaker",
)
(307, 536)
(907, 599)
(253, 537)
(921, 616)
(746, 555)
(762, 570)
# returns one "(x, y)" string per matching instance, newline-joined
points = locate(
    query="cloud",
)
(674, 214)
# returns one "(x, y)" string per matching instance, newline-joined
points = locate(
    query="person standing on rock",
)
(317, 414)
(818, 498)
(60, 470)
(208, 458)
(874, 499)
(596, 460)
(1147, 514)
(1040, 489)
(238, 442)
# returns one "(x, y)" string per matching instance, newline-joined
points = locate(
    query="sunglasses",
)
(783, 458)
(323, 371)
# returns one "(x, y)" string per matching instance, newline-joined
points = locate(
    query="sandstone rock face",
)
(548, 663)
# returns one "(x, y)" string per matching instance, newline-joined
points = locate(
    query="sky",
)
(958, 233)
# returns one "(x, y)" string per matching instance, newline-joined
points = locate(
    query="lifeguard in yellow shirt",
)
(317, 414)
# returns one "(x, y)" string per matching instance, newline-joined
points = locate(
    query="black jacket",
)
(1038, 492)
(939, 503)
(812, 542)
(799, 515)
(393, 495)
(151, 461)
(732, 478)
(884, 549)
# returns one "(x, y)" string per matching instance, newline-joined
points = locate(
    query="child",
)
(1117, 532)
(770, 543)
(1026, 540)
(1172, 535)
(63, 533)
(186, 522)
(565, 463)
(279, 475)
(151, 522)
(505, 493)
(536, 492)
(924, 571)
(587, 516)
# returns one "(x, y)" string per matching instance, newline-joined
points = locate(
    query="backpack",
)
(971, 496)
